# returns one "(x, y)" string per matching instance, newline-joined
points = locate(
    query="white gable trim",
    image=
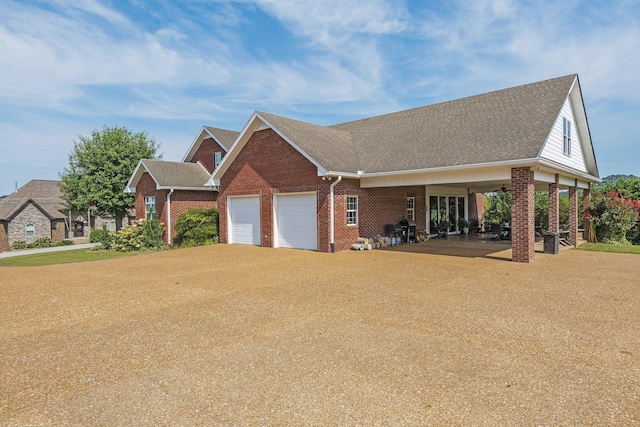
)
(197, 142)
(140, 169)
(255, 123)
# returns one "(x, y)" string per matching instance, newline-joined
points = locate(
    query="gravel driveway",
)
(235, 335)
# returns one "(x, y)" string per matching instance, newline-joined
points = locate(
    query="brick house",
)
(37, 210)
(33, 211)
(287, 183)
(164, 190)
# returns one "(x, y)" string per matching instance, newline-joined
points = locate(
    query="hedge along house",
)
(164, 190)
(35, 210)
(287, 183)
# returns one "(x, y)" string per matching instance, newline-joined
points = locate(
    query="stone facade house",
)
(287, 183)
(31, 212)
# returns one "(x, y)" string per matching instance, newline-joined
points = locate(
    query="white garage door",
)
(244, 220)
(296, 221)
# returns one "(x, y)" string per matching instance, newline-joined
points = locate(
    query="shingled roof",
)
(505, 125)
(224, 136)
(174, 174)
(45, 194)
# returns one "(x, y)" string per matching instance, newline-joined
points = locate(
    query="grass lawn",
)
(64, 257)
(601, 247)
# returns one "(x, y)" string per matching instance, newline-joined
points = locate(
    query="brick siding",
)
(268, 165)
(205, 154)
(554, 207)
(57, 233)
(522, 215)
(573, 214)
(586, 211)
(181, 202)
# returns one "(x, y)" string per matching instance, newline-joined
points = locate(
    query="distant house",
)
(286, 183)
(37, 210)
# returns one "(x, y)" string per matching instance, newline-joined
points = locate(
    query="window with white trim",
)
(217, 157)
(566, 136)
(411, 208)
(30, 230)
(352, 210)
(150, 207)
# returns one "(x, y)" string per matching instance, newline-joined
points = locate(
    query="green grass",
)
(601, 247)
(64, 257)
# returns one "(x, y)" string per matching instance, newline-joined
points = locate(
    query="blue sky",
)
(169, 67)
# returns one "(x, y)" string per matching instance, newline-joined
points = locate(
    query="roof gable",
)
(45, 194)
(223, 137)
(170, 175)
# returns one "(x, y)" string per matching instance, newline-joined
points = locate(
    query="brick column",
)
(554, 207)
(4, 237)
(573, 214)
(522, 215)
(586, 210)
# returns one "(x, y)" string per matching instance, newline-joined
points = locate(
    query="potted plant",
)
(443, 228)
(463, 225)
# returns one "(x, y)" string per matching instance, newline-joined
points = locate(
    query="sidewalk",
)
(44, 250)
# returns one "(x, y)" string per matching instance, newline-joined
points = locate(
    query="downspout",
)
(169, 216)
(331, 187)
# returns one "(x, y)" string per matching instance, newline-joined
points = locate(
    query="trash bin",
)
(552, 243)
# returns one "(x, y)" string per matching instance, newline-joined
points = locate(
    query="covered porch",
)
(450, 195)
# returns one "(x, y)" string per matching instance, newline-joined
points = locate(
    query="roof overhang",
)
(195, 145)
(256, 122)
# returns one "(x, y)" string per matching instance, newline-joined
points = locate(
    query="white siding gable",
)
(553, 147)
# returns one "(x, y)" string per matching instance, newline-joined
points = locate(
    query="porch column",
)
(573, 214)
(522, 215)
(554, 206)
(586, 210)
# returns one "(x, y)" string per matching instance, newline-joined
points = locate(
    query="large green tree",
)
(100, 167)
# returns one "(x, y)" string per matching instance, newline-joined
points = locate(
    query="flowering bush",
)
(19, 244)
(614, 216)
(42, 242)
(144, 234)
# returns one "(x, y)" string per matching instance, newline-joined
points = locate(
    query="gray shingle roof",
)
(326, 145)
(505, 125)
(46, 194)
(224, 136)
(176, 174)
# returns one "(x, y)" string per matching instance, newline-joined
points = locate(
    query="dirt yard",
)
(234, 335)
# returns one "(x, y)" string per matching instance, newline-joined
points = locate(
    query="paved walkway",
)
(44, 250)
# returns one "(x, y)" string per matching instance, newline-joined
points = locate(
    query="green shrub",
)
(96, 235)
(19, 244)
(102, 236)
(144, 234)
(65, 242)
(42, 242)
(197, 227)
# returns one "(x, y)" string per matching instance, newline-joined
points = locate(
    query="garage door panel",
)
(244, 220)
(296, 218)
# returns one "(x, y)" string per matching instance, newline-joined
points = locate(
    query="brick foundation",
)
(522, 215)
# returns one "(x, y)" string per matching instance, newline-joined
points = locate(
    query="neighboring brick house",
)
(287, 183)
(164, 190)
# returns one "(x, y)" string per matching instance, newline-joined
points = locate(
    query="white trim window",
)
(217, 158)
(566, 136)
(30, 230)
(411, 208)
(150, 207)
(352, 210)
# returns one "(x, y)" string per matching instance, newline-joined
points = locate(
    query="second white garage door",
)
(244, 220)
(296, 221)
